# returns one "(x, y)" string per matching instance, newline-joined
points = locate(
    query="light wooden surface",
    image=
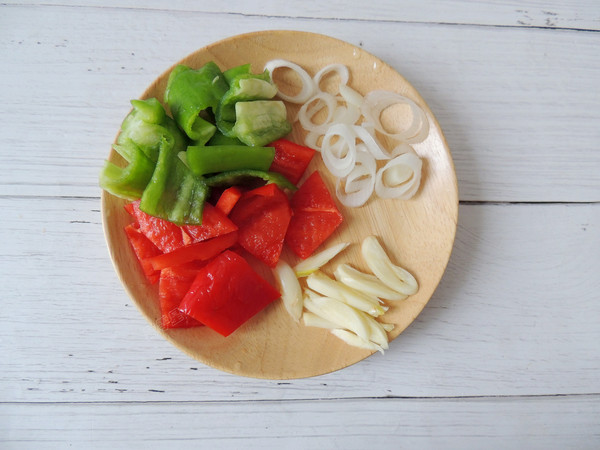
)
(504, 355)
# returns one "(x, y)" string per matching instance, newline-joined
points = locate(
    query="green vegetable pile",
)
(221, 124)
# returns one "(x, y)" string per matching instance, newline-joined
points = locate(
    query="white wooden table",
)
(505, 355)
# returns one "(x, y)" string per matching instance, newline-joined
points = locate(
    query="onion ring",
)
(308, 84)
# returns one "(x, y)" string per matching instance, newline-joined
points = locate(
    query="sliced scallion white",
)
(380, 264)
(356, 341)
(317, 260)
(341, 314)
(366, 282)
(291, 291)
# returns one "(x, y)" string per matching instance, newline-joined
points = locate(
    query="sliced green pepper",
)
(147, 124)
(249, 177)
(128, 182)
(174, 193)
(220, 139)
(190, 92)
(224, 158)
(260, 122)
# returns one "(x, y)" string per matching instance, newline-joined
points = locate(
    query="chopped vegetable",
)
(248, 177)
(313, 320)
(308, 84)
(356, 341)
(172, 287)
(174, 193)
(165, 235)
(214, 223)
(190, 92)
(262, 216)
(291, 292)
(321, 283)
(144, 249)
(198, 251)
(315, 217)
(260, 122)
(357, 187)
(317, 260)
(226, 293)
(400, 177)
(366, 283)
(341, 314)
(146, 125)
(228, 199)
(291, 160)
(204, 160)
(128, 182)
(395, 277)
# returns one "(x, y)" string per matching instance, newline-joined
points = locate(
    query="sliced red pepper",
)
(214, 223)
(165, 235)
(199, 251)
(228, 199)
(290, 159)
(173, 285)
(262, 216)
(226, 293)
(144, 250)
(315, 217)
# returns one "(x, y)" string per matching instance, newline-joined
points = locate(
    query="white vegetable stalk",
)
(341, 314)
(291, 291)
(356, 188)
(379, 262)
(308, 85)
(356, 341)
(312, 320)
(324, 285)
(366, 283)
(317, 260)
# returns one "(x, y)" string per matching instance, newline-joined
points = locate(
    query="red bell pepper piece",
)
(226, 293)
(144, 250)
(199, 251)
(214, 223)
(315, 217)
(291, 159)
(228, 199)
(262, 216)
(173, 285)
(165, 235)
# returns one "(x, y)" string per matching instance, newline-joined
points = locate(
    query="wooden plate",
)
(418, 234)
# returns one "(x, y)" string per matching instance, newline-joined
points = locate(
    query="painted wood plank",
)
(497, 423)
(516, 313)
(519, 106)
(549, 14)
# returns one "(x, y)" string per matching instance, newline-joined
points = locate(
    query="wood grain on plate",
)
(418, 233)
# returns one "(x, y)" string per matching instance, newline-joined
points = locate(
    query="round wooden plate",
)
(418, 234)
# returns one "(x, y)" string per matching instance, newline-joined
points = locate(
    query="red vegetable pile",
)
(202, 276)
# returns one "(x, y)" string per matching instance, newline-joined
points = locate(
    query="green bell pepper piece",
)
(224, 158)
(190, 92)
(130, 181)
(220, 139)
(147, 124)
(260, 122)
(246, 177)
(243, 86)
(174, 193)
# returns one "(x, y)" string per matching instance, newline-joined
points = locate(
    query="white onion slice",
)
(339, 157)
(291, 291)
(317, 260)
(312, 140)
(380, 264)
(348, 114)
(308, 85)
(365, 282)
(350, 96)
(400, 177)
(377, 101)
(356, 341)
(312, 107)
(366, 133)
(340, 69)
(356, 188)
